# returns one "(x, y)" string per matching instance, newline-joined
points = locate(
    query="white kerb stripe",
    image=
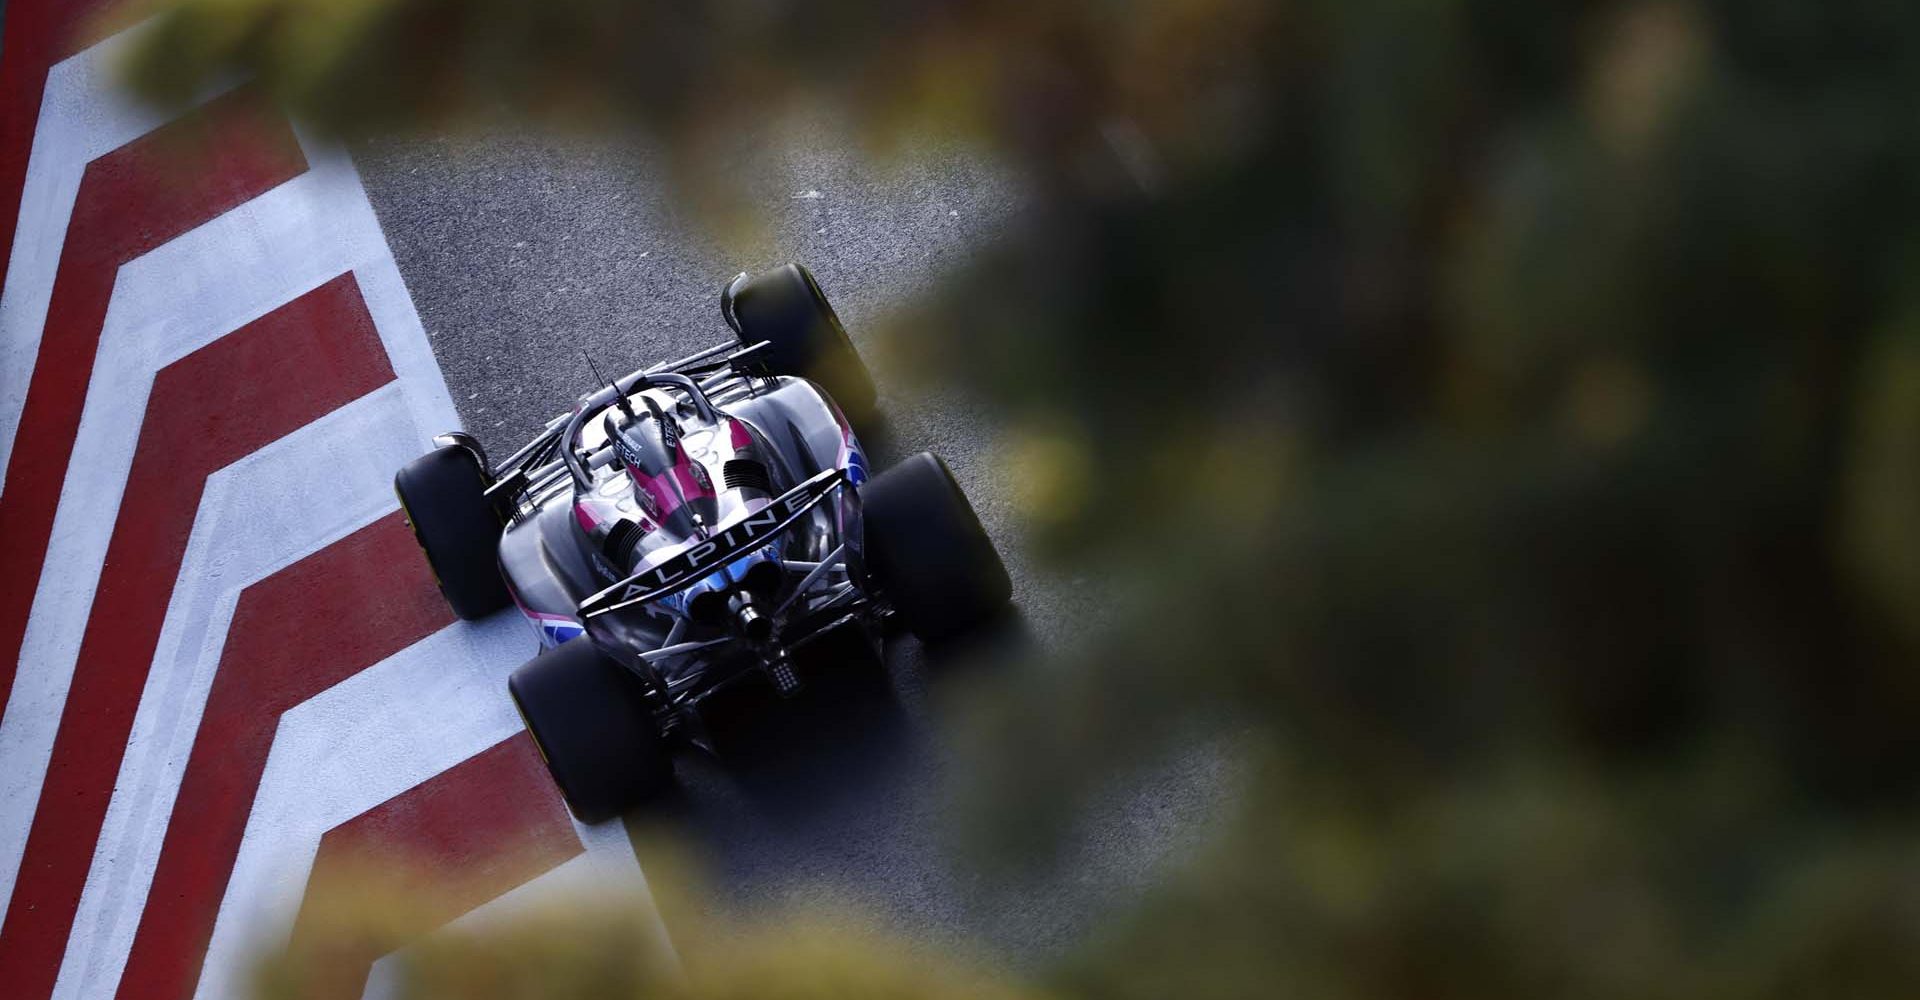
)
(364, 741)
(258, 515)
(82, 116)
(166, 304)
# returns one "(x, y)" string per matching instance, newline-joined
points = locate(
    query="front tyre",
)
(590, 720)
(443, 494)
(926, 551)
(786, 308)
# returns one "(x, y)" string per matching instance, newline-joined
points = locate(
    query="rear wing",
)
(702, 558)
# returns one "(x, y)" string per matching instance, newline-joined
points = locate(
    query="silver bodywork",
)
(588, 531)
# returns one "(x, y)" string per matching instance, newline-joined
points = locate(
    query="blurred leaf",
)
(1499, 417)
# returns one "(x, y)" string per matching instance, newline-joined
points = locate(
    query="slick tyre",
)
(442, 495)
(927, 553)
(589, 718)
(786, 308)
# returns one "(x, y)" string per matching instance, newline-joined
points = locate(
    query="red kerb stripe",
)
(38, 33)
(287, 643)
(210, 408)
(486, 826)
(130, 201)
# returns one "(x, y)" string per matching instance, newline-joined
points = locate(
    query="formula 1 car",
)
(693, 527)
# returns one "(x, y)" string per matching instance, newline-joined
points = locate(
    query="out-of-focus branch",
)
(1497, 410)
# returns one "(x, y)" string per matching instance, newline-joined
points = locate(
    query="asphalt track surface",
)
(521, 252)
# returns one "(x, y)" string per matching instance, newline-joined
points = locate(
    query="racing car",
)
(697, 526)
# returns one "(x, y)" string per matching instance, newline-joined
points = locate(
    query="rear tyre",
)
(590, 719)
(786, 308)
(927, 553)
(443, 495)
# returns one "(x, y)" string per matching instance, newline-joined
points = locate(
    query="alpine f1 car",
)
(693, 527)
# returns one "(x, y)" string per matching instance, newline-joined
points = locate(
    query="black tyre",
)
(443, 496)
(590, 719)
(926, 551)
(804, 337)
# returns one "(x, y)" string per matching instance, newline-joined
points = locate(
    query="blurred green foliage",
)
(1515, 406)
(596, 946)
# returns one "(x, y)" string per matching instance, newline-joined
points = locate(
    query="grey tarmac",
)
(522, 251)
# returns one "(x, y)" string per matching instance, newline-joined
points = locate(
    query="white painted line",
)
(264, 512)
(180, 297)
(356, 745)
(82, 116)
(369, 738)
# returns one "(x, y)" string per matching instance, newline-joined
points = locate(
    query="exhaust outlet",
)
(748, 620)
